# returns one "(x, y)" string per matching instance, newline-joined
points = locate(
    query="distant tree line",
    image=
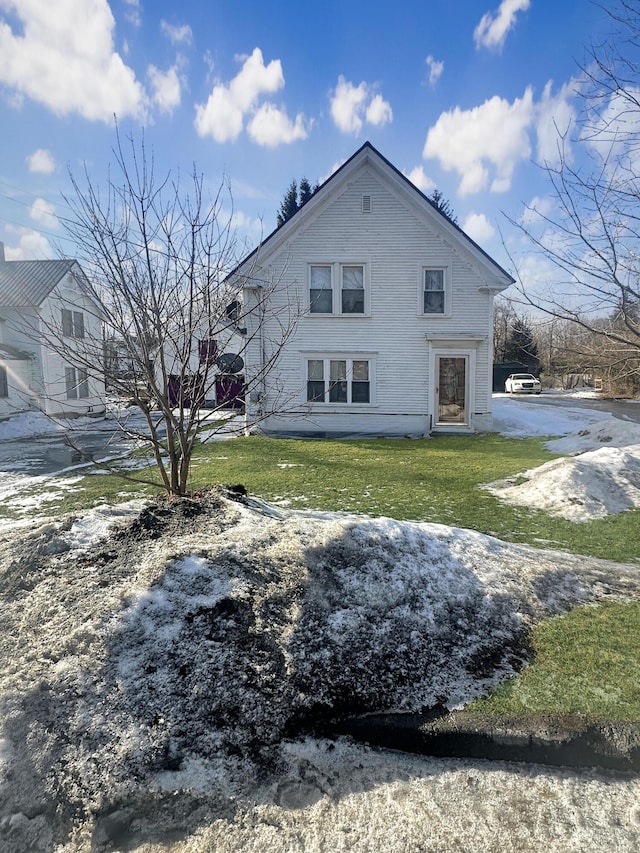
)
(566, 352)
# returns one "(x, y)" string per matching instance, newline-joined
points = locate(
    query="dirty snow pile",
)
(154, 682)
(599, 477)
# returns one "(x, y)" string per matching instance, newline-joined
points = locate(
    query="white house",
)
(46, 308)
(395, 331)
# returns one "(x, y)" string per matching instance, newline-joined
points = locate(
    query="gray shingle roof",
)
(28, 283)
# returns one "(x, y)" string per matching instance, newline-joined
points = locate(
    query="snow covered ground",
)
(159, 663)
(600, 474)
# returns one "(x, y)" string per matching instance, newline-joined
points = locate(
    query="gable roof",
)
(28, 283)
(367, 151)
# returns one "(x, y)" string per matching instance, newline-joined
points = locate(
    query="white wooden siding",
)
(396, 239)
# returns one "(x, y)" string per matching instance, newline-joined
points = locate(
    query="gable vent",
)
(366, 204)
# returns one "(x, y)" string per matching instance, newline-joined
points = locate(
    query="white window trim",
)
(336, 281)
(338, 356)
(447, 291)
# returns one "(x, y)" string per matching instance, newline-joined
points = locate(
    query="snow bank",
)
(592, 485)
(610, 432)
(515, 417)
(601, 476)
(164, 668)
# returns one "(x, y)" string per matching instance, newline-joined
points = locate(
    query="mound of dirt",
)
(179, 649)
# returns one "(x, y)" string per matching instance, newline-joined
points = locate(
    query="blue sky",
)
(462, 95)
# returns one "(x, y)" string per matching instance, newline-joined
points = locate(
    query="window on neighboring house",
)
(339, 380)
(70, 383)
(4, 384)
(83, 383)
(72, 323)
(76, 383)
(347, 280)
(434, 291)
(207, 351)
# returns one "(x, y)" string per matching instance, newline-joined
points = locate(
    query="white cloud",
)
(222, 117)
(379, 112)
(177, 35)
(271, 126)
(478, 227)
(495, 134)
(492, 30)
(538, 209)
(41, 161)
(331, 171)
(134, 12)
(44, 212)
(63, 57)
(352, 105)
(555, 117)
(32, 246)
(419, 177)
(435, 69)
(613, 129)
(166, 86)
(252, 225)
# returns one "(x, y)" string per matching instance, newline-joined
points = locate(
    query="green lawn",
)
(585, 662)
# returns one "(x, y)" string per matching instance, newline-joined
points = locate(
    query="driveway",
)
(626, 410)
(52, 453)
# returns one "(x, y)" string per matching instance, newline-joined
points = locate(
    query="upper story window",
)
(339, 380)
(434, 284)
(352, 289)
(337, 288)
(72, 323)
(207, 351)
(321, 289)
(4, 384)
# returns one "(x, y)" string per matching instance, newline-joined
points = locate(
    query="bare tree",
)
(591, 239)
(175, 338)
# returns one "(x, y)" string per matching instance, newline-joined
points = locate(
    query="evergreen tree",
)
(520, 345)
(289, 204)
(306, 191)
(442, 204)
(293, 200)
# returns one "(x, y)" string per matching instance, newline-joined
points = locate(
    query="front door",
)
(451, 391)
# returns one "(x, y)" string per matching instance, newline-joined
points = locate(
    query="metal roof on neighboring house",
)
(28, 283)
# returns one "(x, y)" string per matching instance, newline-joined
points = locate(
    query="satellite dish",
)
(230, 362)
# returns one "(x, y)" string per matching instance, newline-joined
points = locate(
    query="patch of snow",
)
(517, 418)
(28, 424)
(611, 432)
(98, 523)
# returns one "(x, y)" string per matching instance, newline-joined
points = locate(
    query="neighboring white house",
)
(44, 304)
(395, 333)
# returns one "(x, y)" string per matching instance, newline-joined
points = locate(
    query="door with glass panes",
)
(452, 390)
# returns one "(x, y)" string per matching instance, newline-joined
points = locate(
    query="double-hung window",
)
(337, 288)
(352, 288)
(339, 380)
(207, 351)
(321, 289)
(72, 323)
(76, 383)
(434, 290)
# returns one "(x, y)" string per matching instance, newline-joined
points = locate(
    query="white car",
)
(522, 383)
